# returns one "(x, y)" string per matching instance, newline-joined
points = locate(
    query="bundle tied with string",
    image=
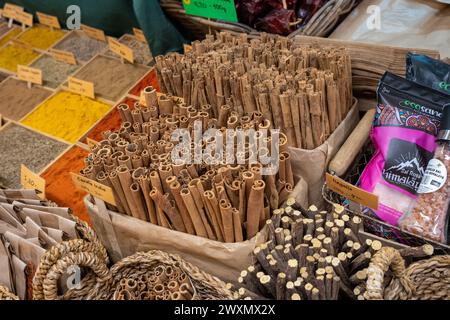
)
(215, 186)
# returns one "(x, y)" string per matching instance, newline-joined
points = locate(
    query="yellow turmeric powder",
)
(66, 115)
(12, 55)
(41, 37)
(11, 34)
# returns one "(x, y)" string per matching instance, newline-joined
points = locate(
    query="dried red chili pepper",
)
(250, 10)
(279, 21)
(308, 8)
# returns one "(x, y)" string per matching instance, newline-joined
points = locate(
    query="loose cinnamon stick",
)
(254, 207)
(197, 221)
(227, 220)
(175, 189)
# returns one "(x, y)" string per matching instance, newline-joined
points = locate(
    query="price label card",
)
(25, 18)
(139, 34)
(94, 188)
(216, 9)
(63, 56)
(91, 143)
(351, 192)
(29, 74)
(121, 50)
(30, 180)
(10, 11)
(82, 87)
(94, 32)
(48, 20)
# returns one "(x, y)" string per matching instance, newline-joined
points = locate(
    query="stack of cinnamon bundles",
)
(227, 200)
(303, 90)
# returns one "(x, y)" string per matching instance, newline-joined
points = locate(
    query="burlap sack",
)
(124, 235)
(309, 166)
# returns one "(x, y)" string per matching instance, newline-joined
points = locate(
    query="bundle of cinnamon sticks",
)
(162, 283)
(305, 91)
(227, 202)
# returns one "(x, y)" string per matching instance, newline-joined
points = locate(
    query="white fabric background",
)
(421, 24)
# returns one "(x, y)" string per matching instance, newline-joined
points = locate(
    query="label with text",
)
(29, 74)
(94, 32)
(91, 143)
(94, 188)
(63, 56)
(82, 87)
(10, 11)
(216, 9)
(48, 20)
(30, 180)
(25, 18)
(139, 34)
(351, 192)
(121, 50)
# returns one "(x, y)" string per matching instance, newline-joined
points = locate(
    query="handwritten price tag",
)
(351, 192)
(30, 180)
(139, 34)
(216, 9)
(82, 87)
(10, 11)
(121, 50)
(94, 188)
(25, 18)
(48, 20)
(94, 33)
(63, 56)
(29, 74)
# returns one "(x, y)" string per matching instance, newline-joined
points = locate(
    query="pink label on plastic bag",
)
(396, 169)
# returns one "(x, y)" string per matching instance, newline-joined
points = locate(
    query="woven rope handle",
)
(5, 294)
(52, 256)
(88, 234)
(81, 259)
(385, 259)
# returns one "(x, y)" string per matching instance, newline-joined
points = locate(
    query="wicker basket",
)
(423, 280)
(320, 25)
(101, 283)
